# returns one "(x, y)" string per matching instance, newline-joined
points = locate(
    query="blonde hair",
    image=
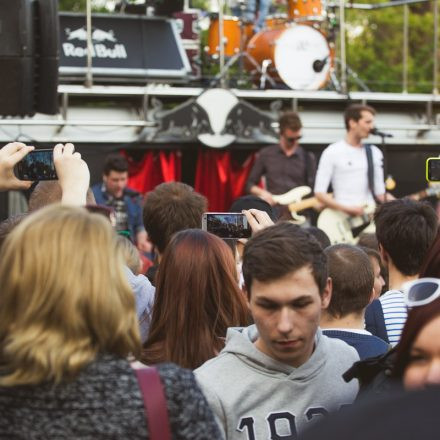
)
(129, 253)
(64, 297)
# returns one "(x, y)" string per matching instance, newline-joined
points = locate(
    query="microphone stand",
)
(385, 160)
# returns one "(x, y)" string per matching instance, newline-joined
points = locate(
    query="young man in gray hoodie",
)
(274, 378)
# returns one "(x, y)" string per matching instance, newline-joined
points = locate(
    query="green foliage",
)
(376, 52)
(80, 6)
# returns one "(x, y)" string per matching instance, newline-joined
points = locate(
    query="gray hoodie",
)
(255, 397)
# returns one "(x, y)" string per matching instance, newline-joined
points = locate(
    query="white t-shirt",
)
(346, 168)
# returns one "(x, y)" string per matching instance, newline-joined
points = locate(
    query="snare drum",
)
(231, 34)
(300, 56)
(306, 10)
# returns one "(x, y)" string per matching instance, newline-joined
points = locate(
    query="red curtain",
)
(154, 168)
(221, 176)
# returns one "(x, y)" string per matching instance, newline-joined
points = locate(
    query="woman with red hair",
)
(197, 299)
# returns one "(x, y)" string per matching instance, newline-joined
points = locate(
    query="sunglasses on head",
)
(422, 291)
(291, 140)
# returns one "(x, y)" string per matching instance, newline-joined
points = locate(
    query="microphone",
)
(380, 133)
(318, 65)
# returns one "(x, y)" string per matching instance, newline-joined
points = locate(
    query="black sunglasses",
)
(291, 140)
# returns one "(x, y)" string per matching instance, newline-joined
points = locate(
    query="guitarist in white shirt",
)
(344, 164)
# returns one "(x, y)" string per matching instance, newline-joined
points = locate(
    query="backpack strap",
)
(370, 171)
(155, 405)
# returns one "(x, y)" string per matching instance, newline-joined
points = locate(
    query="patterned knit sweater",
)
(103, 402)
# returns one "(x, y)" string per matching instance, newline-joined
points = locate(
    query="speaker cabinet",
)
(28, 57)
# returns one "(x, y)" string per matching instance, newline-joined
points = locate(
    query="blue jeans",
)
(250, 12)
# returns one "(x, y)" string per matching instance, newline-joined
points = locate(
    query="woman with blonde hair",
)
(67, 325)
(197, 299)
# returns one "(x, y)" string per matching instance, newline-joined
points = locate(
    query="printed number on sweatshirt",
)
(275, 421)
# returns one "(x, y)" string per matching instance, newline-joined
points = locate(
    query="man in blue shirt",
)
(352, 290)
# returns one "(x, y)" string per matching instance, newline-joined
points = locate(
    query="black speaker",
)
(16, 58)
(28, 57)
(47, 61)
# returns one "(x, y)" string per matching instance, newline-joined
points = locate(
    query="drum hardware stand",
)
(351, 74)
(224, 68)
(264, 66)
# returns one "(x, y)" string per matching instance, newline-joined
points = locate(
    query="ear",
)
(372, 296)
(326, 295)
(351, 123)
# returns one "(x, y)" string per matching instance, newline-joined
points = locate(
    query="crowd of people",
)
(213, 339)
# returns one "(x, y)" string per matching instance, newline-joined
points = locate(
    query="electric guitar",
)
(340, 227)
(294, 199)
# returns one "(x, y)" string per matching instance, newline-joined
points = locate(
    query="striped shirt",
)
(395, 312)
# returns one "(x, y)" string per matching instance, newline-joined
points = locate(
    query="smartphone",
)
(433, 169)
(37, 165)
(226, 224)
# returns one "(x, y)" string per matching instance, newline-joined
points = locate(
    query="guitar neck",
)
(313, 202)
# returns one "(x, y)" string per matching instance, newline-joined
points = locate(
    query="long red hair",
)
(197, 299)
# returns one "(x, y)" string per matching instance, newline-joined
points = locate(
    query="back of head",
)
(64, 296)
(368, 240)
(279, 250)
(115, 162)
(406, 230)
(130, 254)
(354, 112)
(49, 191)
(197, 299)
(352, 280)
(170, 208)
(252, 202)
(320, 235)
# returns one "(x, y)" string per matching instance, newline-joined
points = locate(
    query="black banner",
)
(122, 45)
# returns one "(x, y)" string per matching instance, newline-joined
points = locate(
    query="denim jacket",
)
(133, 205)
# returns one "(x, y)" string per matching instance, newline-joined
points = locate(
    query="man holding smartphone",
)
(284, 166)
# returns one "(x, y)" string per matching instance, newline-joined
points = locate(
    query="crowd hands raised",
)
(274, 330)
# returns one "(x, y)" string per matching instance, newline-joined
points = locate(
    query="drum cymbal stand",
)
(239, 56)
(349, 72)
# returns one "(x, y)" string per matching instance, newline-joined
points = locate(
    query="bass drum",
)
(300, 56)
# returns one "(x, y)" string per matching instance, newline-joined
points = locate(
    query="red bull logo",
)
(99, 49)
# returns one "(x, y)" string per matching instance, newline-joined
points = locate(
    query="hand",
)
(354, 210)
(257, 219)
(267, 197)
(73, 174)
(10, 155)
(142, 242)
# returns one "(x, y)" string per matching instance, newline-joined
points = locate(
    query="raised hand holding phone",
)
(73, 174)
(257, 219)
(10, 155)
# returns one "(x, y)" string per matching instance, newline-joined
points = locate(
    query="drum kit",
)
(294, 50)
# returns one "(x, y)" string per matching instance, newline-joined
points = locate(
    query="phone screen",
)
(433, 169)
(37, 165)
(226, 224)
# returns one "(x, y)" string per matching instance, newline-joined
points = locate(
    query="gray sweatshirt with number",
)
(255, 397)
